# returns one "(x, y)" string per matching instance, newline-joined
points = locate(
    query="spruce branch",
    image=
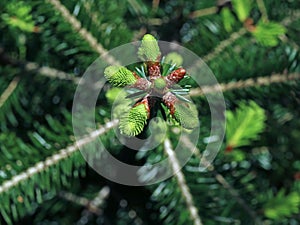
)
(93, 16)
(56, 158)
(236, 35)
(223, 44)
(287, 40)
(251, 82)
(185, 191)
(49, 72)
(84, 33)
(93, 206)
(244, 125)
(222, 180)
(9, 90)
(33, 67)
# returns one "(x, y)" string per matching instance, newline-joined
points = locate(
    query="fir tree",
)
(252, 47)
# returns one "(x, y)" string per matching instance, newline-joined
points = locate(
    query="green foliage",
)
(268, 33)
(228, 19)
(244, 125)
(134, 121)
(18, 15)
(281, 205)
(242, 8)
(119, 76)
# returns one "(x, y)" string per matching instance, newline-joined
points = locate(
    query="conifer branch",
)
(56, 158)
(182, 183)
(236, 35)
(251, 82)
(84, 33)
(224, 44)
(49, 72)
(222, 180)
(34, 67)
(94, 17)
(93, 206)
(285, 39)
(9, 90)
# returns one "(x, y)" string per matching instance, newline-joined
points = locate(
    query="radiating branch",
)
(221, 179)
(32, 67)
(182, 183)
(224, 44)
(251, 82)
(56, 158)
(93, 206)
(49, 72)
(236, 35)
(84, 33)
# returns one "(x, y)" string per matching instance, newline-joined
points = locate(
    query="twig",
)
(224, 44)
(91, 205)
(182, 183)
(56, 158)
(234, 193)
(263, 10)
(285, 39)
(49, 72)
(9, 90)
(221, 179)
(218, 49)
(251, 82)
(203, 12)
(236, 35)
(86, 35)
(34, 67)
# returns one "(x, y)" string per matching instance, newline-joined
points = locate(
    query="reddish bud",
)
(228, 149)
(175, 76)
(170, 99)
